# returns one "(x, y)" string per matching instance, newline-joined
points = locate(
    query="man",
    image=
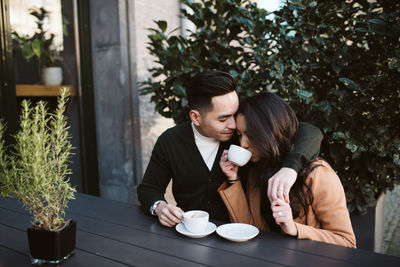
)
(189, 153)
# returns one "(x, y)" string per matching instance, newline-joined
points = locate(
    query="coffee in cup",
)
(238, 155)
(195, 221)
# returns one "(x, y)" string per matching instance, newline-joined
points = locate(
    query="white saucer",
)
(237, 232)
(182, 230)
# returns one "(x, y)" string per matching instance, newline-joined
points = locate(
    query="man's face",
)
(219, 122)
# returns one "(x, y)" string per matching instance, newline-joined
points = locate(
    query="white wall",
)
(152, 124)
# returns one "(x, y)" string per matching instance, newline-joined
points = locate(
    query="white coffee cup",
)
(238, 155)
(195, 221)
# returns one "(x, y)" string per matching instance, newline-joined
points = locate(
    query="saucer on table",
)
(180, 228)
(237, 232)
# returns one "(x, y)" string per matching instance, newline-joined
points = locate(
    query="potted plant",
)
(35, 171)
(40, 45)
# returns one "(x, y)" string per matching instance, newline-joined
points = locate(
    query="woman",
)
(267, 126)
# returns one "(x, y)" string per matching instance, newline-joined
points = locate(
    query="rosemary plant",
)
(36, 170)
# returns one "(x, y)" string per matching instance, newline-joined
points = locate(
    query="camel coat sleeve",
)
(328, 210)
(236, 203)
(328, 219)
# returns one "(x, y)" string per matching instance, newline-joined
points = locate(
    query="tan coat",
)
(328, 219)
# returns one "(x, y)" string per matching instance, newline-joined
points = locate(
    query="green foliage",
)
(36, 170)
(336, 62)
(349, 60)
(39, 45)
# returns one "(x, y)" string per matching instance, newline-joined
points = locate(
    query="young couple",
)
(284, 188)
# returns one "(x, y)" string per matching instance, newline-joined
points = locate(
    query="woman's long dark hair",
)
(272, 127)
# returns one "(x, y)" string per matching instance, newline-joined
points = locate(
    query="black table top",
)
(112, 233)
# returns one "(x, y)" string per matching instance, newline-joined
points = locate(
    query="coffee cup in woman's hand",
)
(238, 155)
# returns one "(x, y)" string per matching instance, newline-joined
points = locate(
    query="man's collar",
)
(202, 137)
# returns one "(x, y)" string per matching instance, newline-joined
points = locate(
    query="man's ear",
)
(195, 116)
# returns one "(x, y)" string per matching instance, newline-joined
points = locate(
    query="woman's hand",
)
(280, 183)
(282, 214)
(228, 168)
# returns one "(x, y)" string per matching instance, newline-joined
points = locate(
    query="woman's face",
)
(244, 140)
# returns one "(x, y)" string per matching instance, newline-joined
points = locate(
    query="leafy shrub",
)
(35, 170)
(337, 63)
(39, 45)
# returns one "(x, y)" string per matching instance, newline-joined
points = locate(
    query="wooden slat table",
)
(112, 233)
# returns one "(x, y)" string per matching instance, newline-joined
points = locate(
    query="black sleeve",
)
(306, 147)
(156, 177)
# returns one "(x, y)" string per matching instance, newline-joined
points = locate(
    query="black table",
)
(112, 233)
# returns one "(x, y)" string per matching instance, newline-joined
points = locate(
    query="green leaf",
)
(350, 84)
(377, 21)
(27, 51)
(362, 30)
(351, 145)
(338, 135)
(305, 95)
(393, 63)
(162, 24)
(234, 73)
(325, 106)
(335, 66)
(378, 26)
(396, 159)
(179, 89)
(37, 47)
(313, 4)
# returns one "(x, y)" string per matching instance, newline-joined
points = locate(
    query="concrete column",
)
(379, 223)
(127, 124)
(114, 99)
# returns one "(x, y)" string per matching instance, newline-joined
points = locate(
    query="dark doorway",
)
(62, 31)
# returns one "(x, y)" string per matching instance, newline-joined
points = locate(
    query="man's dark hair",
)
(206, 85)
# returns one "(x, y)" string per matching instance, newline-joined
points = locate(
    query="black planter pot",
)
(51, 246)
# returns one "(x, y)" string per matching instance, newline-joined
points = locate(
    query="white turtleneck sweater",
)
(207, 146)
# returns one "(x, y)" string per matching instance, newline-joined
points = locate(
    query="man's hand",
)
(168, 214)
(280, 183)
(227, 167)
(282, 214)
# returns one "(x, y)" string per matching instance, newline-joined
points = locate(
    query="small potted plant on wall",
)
(40, 45)
(35, 170)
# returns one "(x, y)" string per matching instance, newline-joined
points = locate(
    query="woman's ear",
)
(195, 116)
